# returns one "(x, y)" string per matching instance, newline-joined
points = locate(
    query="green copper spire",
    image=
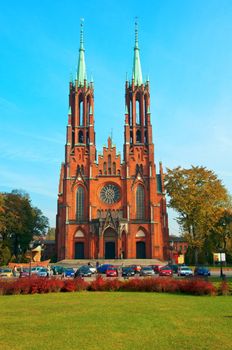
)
(81, 69)
(137, 71)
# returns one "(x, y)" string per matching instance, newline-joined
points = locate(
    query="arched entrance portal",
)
(110, 243)
(140, 250)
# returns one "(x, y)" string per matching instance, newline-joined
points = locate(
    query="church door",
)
(79, 250)
(140, 250)
(109, 250)
(110, 243)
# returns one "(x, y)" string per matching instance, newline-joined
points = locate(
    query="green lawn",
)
(118, 320)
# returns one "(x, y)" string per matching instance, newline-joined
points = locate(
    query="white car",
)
(184, 271)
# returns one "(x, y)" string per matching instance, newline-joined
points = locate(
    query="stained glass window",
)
(80, 204)
(140, 208)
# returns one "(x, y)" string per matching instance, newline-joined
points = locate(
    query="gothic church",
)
(110, 207)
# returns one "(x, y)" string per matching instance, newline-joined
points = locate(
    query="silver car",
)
(147, 271)
(184, 271)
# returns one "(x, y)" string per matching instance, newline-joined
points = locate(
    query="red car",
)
(157, 268)
(112, 272)
(165, 271)
(136, 268)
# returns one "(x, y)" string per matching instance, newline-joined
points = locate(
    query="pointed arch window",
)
(80, 204)
(145, 137)
(109, 164)
(130, 113)
(80, 137)
(81, 113)
(140, 204)
(138, 136)
(145, 111)
(131, 137)
(73, 138)
(137, 109)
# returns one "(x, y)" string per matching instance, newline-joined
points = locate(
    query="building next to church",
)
(109, 207)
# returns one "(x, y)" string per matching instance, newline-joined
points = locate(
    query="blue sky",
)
(185, 48)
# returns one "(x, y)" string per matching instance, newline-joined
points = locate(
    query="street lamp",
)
(221, 251)
(30, 246)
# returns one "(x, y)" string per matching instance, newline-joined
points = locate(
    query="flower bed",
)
(191, 286)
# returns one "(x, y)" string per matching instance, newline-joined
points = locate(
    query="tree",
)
(20, 221)
(198, 196)
(222, 232)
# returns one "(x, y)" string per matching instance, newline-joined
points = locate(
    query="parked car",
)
(6, 272)
(83, 271)
(112, 272)
(127, 271)
(36, 269)
(25, 272)
(69, 272)
(136, 268)
(103, 268)
(201, 271)
(43, 272)
(166, 271)
(147, 271)
(156, 267)
(185, 271)
(57, 270)
(174, 267)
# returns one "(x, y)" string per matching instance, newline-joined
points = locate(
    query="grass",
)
(120, 321)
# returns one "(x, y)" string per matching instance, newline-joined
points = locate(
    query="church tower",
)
(110, 207)
(80, 155)
(146, 201)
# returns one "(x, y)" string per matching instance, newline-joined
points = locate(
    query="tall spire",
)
(81, 69)
(137, 71)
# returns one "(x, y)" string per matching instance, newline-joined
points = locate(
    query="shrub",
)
(100, 284)
(74, 285)
(196, 286)
(161, 284)
(224, 288)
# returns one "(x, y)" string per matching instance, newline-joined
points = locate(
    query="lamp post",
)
(30, 246)
(221, 270)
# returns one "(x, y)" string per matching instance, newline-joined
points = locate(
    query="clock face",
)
(110, 194)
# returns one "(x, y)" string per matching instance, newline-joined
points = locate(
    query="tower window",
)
(80, 137)
(145, 137)
(130, 113)
(138, 136)
(87, 138)
(73, 138)
(145, 111)
(140, 205)
(138, 113)
(80, 204)
(81, 113)
(131, 137)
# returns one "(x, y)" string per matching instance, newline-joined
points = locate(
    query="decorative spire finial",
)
(81, 68)
(136, 33)
(82, 34)
(137, 71)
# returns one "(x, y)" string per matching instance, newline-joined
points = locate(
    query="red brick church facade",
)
(110, 207)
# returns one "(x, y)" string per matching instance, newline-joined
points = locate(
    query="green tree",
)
(198, 196)
(5, 254)
(21, 221)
